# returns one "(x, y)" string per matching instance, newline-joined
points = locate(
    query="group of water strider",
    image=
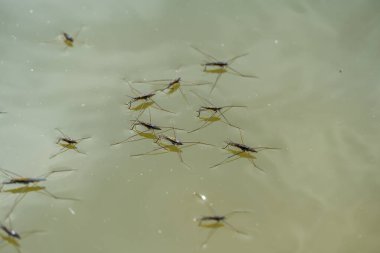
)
(164, 137)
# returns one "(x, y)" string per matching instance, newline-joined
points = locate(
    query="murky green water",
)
(316, 99)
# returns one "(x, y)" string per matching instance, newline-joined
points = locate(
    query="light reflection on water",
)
(315, 98)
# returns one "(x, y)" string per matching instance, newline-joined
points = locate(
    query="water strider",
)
(30, 184)
(8, 235)
(172, 144)
(149, 131)
(146, 102)
(172, 85)
(218, 67)
(215, 113)
(241, 151)
(67, 143)
(215, 221)
(68, 39)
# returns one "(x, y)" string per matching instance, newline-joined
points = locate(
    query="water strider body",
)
(68, 39)
(215, 221)
(145, 97)
(10, 232)
(67, 143)
(241, 151)
(216, 113)
(171, 144)
(215, 66)
(147, 125)
(172, 85)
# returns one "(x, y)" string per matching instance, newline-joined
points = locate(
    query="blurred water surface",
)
(316, 98)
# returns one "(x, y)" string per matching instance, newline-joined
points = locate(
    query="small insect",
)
(172, 85)
(68, 39)
(145, 97)
(14, 178)
(30, 183)
(8, 234)
(147, 102)
(172, 144)
(218, 67)
(10, 239)
(7, 229)
(149, 131)
(68, 143)
(241, 151)
(13, 240)
(216, 113)
(215, 221)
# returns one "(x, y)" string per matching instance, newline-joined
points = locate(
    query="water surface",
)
(316, 99)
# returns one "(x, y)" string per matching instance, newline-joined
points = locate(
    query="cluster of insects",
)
(163, 137)
(166, 137)
(208, 113)
(19, 186)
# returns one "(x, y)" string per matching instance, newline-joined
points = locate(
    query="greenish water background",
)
(317, 98)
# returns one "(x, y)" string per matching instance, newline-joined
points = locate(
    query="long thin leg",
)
(81, 139)
(230, 61)
(126, 140)
(159, 107)
(258, 149)
(152, 81)
(9, 173)
(235, 72)
(17, 201)
(63, 134)
(250, 159)
(255, 165)
(233, 228)
(210, 234)
(150, 152)
(46, 192)
(224, 117)
(183, 95)
(62, 150)
(205, 124)
(140, 113)
(235, 154)
(241, 136)
(205, 54)
(202, 98)
(154, 135)
(48, 174)
(141, 139)
(236, 212)
(150, 117)
(181, 159)
(77, 33)
(216, 81)
(134, 90)
(195, 83)
(195, 143)
(225, 161)
(230, 124)
(80, 152)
